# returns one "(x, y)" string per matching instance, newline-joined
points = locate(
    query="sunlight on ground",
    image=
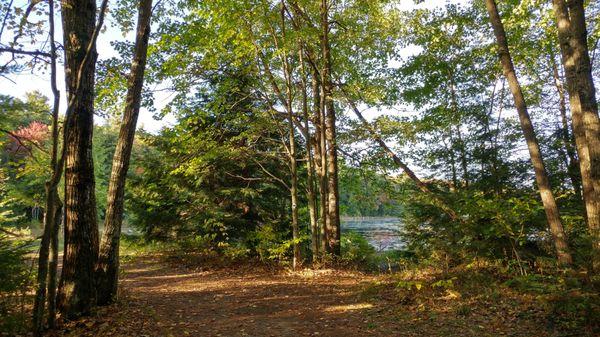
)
(349, 307)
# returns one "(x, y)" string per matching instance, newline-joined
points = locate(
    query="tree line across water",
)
(487, 145)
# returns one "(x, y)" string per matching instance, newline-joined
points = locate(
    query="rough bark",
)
(333, 210)
(107, 270)
(572, 36)
(77, 289)
(547, 196)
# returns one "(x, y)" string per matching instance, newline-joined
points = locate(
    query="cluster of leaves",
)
(217, 174)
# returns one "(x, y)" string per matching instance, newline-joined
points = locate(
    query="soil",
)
(159, 298)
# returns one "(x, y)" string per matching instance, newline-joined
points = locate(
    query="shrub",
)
(356, 249)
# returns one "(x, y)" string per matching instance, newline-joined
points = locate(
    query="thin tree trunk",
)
(53, 207)
(294, 193)
(552, 214)
(107, 270)
(320, 161)
(572, 161)
(77, 288)
(572, 36)
(310, 181)
(53, 265)
(436, 199)
(461, 144)
(333, 209)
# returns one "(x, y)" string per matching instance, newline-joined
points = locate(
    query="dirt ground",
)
(162, 299)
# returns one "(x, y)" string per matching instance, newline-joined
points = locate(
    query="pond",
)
(382, 233)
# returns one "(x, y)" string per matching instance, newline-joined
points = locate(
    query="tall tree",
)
(310, 169)
(572, 36)
(333, 209)
(108, 260)
(77, 290)
(46, 276)
(550, 207)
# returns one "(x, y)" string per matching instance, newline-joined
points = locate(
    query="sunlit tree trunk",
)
(108, 260)
(547, 196)
(572, 36)
(333, 209)
(77, 288)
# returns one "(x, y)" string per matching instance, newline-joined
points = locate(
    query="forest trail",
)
(248, 302)
(165, 299)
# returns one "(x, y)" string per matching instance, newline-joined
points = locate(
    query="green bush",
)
(356, 249)
(15, 282)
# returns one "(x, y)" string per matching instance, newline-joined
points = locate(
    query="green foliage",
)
(356, 249)
(16, 281)
(364, 192)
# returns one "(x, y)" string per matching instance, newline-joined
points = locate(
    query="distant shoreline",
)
(355, 218)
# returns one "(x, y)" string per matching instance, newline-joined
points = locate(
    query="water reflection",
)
(382, 233)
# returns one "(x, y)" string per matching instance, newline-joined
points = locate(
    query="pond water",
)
(382, 233)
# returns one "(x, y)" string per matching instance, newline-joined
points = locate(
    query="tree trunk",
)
(77, 290)
(108, 260)
(436, 199)
(461, 143)
(42, 275)
(333, 209)
(294, 193)
(572, 36)
(320, 160)
(552, 214)
(310, 181)
(53, 265)
(53, 208)
(572, 161)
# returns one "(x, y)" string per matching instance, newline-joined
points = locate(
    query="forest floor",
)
(161, 298)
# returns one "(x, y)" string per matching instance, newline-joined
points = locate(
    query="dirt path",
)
(161, 299)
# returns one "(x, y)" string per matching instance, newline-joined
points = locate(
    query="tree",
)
(108, 260)
(47, 269)
(77, 289)
(552, 213)
(572, 37)
(332, 224)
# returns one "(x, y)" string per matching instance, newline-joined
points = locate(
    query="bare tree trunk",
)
(333, 209)
(294, 193)
(107, 270)
(53, 266)
(77, 288)
(572, 36)
(320, 160)
(572, 161)
(552, 214)
(53, 207)
(310, 180)
(461, 143)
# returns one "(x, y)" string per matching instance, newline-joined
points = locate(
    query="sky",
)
(18, 85)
